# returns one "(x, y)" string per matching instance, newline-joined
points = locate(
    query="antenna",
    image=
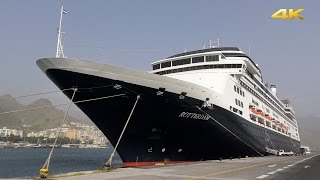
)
(59, 52)
(212, 42)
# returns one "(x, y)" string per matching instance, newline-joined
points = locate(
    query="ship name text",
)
(194, 116)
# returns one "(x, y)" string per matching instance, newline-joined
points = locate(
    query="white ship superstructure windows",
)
(166, 64)
(235, 110)
(212, 58)
(198, 59)
(268, 111)
(156, 66)
(255, 102)
(181, 62)
(238, 90)
(192, 68)
(239, 103)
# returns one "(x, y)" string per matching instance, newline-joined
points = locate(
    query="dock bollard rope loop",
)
(108, 164)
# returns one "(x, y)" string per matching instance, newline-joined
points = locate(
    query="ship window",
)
(181, 62)
(206, 67)
(166, 64)
(186, 69)
(235, 89)
(235, 109)
(239, 65)
(241, 104)
(212, 58)
(228, 66)
(240, 112)
(220, 66)
(198, 59)
(236, 101)
(156, 66)
(238, 90)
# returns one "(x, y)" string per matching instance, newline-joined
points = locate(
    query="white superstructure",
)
(237, 85)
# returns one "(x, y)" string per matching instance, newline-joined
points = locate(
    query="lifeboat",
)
(253, 109)
(259, 112)
(268, 117)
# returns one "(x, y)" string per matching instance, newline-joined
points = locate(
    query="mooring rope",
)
(55, 91)
(36, 94)
(230, 131)
(47, 163)
(108, 164)
(63, 104)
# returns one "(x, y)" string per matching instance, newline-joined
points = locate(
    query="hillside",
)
(36, 120)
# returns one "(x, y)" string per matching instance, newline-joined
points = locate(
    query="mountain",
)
(39, 119)
(8, 104)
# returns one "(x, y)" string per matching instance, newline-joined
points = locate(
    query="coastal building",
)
(5, 132)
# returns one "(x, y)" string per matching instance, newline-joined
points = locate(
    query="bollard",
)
(44, 173)
(106, 168)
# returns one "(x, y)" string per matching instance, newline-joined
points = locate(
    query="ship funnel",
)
(273, 89)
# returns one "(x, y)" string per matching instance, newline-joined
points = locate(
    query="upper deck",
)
(193, 60)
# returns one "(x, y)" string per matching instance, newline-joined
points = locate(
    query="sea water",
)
(26, 162)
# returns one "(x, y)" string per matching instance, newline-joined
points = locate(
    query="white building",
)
(5, 132)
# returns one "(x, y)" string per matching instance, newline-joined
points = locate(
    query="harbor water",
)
(26, 162)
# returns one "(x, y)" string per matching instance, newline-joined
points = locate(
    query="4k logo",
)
(287, 14)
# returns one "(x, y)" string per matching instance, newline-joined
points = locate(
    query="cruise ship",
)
(198, 105)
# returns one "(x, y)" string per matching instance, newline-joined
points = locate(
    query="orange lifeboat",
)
(253, 109)
(268, 117)
(259, 111)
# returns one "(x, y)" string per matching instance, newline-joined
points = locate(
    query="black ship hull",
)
(166, 127)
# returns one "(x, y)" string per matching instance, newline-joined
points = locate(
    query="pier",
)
(271, 167)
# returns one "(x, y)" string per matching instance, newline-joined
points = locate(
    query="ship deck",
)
(271, 167)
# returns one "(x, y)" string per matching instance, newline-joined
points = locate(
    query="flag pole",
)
(59, 43)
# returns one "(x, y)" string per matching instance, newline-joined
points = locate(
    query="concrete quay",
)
(271, 167)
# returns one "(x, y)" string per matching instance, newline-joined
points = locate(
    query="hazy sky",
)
(134, 33)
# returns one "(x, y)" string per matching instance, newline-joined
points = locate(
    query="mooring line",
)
(108, 164)
(45, 167)
(230, 131)
(63, 104)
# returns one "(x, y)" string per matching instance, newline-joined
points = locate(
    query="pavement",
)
(271, 167)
